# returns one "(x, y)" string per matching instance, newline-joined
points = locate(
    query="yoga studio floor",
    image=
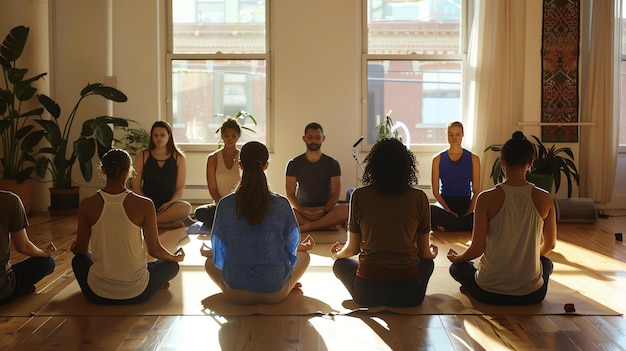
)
(590, 272)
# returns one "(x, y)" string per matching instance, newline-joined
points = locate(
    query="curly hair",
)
(390, 167)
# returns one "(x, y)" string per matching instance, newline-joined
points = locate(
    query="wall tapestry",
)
(559, 53)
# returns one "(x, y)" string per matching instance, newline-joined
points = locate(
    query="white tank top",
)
(119, 269)
(226, 178)
(510, 264)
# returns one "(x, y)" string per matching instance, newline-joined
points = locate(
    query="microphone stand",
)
(357, 159)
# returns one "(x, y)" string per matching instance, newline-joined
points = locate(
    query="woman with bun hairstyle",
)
(254, 256)
(222, 170)
(110, 262)
(514, 230)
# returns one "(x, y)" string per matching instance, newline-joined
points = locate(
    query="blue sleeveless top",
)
(456, 176)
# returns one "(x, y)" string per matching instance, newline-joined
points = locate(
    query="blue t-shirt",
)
(456, 176)
(313, 179)
(257, 258)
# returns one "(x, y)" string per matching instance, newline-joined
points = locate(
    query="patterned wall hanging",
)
(559, 53)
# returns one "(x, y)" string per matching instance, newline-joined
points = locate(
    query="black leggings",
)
(439, 217)
(464, 273)
(397, 293)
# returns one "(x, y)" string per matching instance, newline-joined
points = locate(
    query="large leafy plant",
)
(16, 129)
(96, 135)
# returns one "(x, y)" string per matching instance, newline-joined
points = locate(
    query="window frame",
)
(466, 15)
(171, 56)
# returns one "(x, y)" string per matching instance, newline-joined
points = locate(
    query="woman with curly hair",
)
(389, 230)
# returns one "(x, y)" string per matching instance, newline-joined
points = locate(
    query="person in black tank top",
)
(160, 173)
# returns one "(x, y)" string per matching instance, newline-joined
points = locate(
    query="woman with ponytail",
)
(514, 230)
(255, 239)
(110, 262)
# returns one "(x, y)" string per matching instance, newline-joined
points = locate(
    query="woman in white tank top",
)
(222, 170)
(514, 230)
(110, 260)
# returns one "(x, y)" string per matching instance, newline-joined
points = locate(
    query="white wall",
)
(315, 73)
(32, 14)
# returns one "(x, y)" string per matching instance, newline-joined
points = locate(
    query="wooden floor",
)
(593, 245)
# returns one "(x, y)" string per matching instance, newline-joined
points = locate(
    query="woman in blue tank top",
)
(455, 183)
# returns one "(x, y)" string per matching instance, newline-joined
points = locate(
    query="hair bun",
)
(518, 136)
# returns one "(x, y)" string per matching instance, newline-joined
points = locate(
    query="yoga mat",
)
(193, 293)
(25, 305)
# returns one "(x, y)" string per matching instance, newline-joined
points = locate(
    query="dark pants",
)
(205, 214)
(439, 217)
(464, 273)
(27, 273)
(397, 293)
(160, 271)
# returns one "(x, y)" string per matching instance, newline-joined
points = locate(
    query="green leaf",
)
(14, 43)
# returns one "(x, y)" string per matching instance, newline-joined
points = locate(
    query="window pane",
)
(622, 121)
(209, 26)
(204, 92)
(422, 95)
(422, 27)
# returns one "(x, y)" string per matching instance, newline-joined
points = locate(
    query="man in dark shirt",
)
(313, 182)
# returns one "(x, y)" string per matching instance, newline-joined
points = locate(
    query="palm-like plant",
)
(547, 161)
(18, 136)
(96, 134)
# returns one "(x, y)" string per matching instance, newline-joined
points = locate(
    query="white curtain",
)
(494, 75)
(600, 100)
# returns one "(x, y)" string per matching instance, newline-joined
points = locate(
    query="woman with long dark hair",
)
(160, 173)
(389, 230)
(254, 256)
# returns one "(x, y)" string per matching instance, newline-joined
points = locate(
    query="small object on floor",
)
(198, 228)
(569, 308)
(618, 236)
(188, 221)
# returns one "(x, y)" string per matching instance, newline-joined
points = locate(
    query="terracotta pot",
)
(23, 190)
(64, 202)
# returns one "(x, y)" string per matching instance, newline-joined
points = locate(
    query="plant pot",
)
(543, 181)
(23, 190)
(64, 202)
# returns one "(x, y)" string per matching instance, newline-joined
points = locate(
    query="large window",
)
(413, 62)
(622, 125)
(218, 61)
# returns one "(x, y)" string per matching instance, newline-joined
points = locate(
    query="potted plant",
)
(386, 129)
(96, 135)
(547, 167)
(16, 130)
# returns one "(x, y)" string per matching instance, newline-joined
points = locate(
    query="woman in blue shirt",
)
(254, 256)
(455, 183)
